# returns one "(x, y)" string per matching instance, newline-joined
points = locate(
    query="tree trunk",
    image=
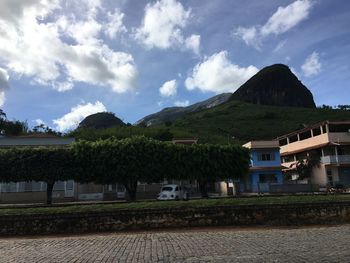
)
(131, 189)
(203, 188)
(49, 189)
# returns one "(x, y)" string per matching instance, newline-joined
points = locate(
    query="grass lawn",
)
(109, 207)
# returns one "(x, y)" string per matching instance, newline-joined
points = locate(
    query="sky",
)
(62, 60)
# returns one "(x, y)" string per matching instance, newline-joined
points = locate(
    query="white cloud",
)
(249, 35)
(115, 24)
(39, 122)
(218, 74)
(62, 86)
(182, 103)
(312, 65)
(284, 19)
(193, 43)
(163, 24)
(61, 50)
(2, 98)
(11, 10)
(287, 17)
(4, 85)
(72, 119)
(280, 45)
(168, 89)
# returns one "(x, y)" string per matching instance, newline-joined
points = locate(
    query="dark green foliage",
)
(210, 163)
(248, 122)
(37, 164)
(304, 167)
(158, 133)
(243, 121)
(163, 135)
(140, 159)
(126, 162)
(11, 128)
(44, 129)
(343, 107)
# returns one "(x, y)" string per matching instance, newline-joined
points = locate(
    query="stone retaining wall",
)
(142, 219)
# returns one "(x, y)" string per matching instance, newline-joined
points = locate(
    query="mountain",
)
(275, 85)
(239, 122)
(235, 118)
(173, 113)
(101, 120)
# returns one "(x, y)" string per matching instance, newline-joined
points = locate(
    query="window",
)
(316, 131)
(9, 187)
(266, 157)
(38, 186)
(283, 142)
(339, 127)
(305, 135)
(58, 186)
(293, 138)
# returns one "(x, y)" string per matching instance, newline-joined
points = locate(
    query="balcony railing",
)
(333, 159)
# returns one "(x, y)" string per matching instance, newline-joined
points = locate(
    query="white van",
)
(173, 192)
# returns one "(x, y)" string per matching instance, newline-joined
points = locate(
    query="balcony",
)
(333, 159)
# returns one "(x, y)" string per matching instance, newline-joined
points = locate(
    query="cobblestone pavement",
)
(316, 244)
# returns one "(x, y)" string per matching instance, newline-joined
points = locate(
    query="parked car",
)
(173, 192)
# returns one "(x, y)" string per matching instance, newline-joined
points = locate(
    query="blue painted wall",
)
(255, 162)
(255, 176)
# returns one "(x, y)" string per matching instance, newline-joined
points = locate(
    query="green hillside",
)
(242, 120)
(250, 121)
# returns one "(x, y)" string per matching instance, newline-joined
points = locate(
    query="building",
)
(329, 140)
(265, 169)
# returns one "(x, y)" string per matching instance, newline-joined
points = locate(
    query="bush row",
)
(125, 162)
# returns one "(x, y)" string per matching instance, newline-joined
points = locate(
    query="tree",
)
(127, 162)
(37, 164)
(2, 115)
(343, 107)
(210, 163)
(44, 129)
(2, 121)
(304, 167)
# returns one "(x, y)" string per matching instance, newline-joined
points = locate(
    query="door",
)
(69, 188)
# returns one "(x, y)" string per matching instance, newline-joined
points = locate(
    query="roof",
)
(35, 141)
(312, 126)
(261, 144)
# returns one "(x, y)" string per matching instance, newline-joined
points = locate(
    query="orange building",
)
(330, 140)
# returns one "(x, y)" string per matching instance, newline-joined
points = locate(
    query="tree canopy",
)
(127, 162)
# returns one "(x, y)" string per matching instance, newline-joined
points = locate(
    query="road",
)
(312, 244)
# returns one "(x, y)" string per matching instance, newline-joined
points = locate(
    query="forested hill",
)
(241, 120)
